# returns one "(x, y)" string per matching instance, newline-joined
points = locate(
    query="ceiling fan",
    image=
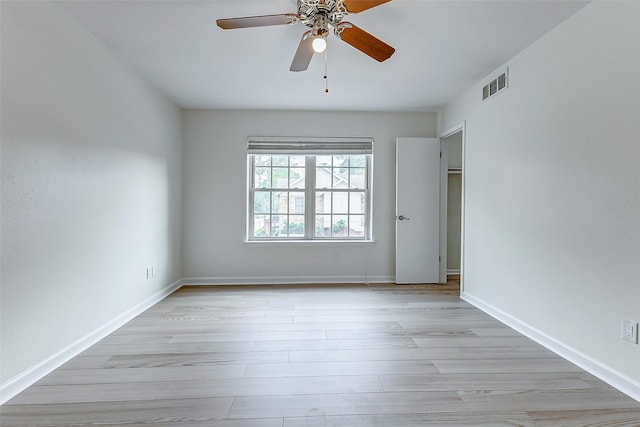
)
(321, 16)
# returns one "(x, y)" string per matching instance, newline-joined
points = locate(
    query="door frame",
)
(459, 127)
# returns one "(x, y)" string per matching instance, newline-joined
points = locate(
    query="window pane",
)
(280, 178)
(284, 226)
(262, 160)
(279, 202)
(261, 226)
(323, 177)
(262, 177)
(323, 202)
(296, 203)
(323, 161)
(296, 178)
(341, 178)
(341, 161)
(339, 226)
(261, 201)
(297, 161)
(340, 203)
(356, 202)
(276, 224)
(357, 178)
(356, 225)
(323, 226)
(357, 161)
(296, 226)
(280, 160)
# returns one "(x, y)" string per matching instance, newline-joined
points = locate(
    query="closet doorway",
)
(454, 140)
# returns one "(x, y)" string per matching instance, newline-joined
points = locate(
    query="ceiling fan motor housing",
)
(314, 12)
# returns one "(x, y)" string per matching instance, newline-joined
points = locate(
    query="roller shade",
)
(289, 145)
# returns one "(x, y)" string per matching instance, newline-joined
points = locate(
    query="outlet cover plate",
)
(630, 331)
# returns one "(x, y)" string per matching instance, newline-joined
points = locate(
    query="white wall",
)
(91, 186)
(552, 219)
(215, 197)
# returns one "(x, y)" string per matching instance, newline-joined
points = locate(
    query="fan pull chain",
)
(326, 60)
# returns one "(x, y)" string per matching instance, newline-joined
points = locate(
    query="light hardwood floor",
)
(302, 356)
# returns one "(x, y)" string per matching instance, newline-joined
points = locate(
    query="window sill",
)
(309, 242)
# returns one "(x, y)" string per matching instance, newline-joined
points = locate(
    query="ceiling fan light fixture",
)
(319, 44)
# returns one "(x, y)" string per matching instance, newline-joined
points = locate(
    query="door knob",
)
(403, 218)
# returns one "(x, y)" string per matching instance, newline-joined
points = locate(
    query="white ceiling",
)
(442, 48)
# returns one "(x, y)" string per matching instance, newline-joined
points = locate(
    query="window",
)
(309, 189)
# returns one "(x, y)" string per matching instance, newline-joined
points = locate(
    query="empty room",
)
(287, 213)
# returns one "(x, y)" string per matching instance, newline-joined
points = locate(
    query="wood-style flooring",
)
(302, 356)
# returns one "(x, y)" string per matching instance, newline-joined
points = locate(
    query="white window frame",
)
(310, 147)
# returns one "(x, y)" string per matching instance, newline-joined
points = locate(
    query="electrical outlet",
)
(630, 331)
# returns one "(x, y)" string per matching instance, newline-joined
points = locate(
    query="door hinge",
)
(441, 154)
(439, 259)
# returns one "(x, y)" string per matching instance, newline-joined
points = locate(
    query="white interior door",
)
(417, 210)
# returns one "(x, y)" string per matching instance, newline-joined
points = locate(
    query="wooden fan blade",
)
(355, 6)
(365, 42)
(303, 54)
(257, 21)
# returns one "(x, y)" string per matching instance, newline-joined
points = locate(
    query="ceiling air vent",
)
(496, 85)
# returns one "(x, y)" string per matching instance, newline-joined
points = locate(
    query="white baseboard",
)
(614, 378)
(29, 377)
(285, 280)
(453, 272)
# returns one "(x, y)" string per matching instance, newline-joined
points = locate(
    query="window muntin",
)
(309, 196)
